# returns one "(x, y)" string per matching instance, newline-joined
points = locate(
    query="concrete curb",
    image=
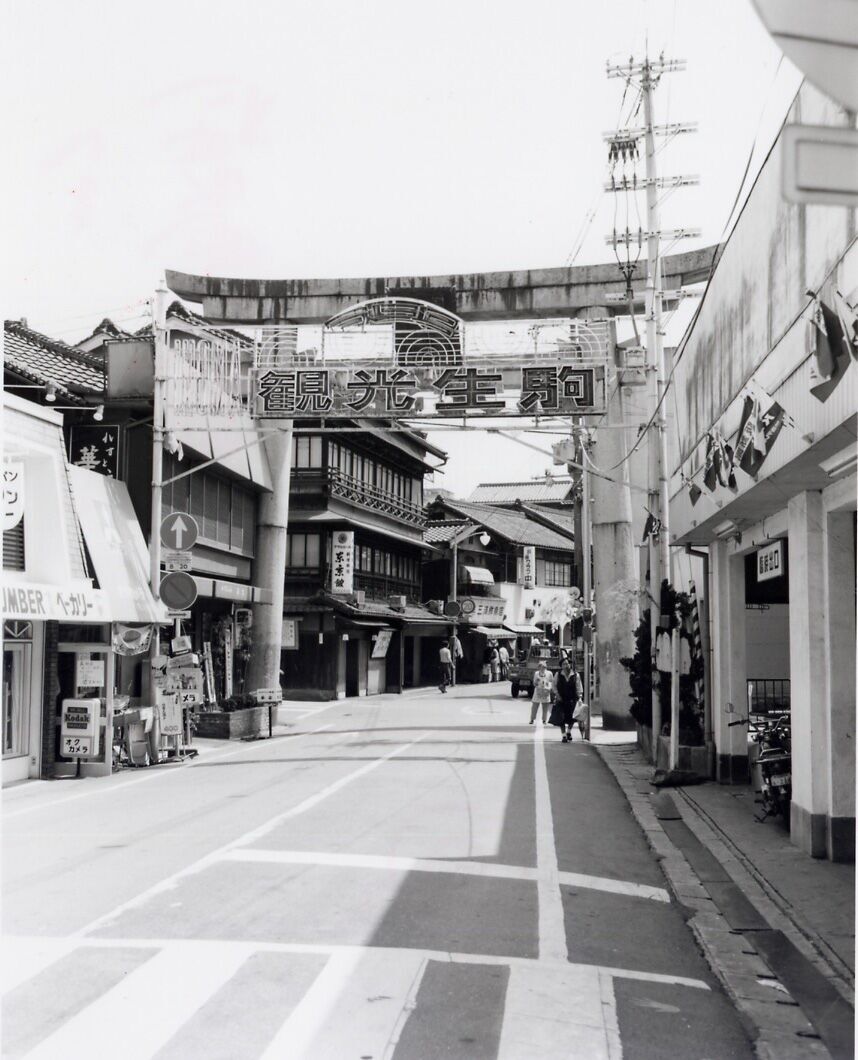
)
(773, 1019)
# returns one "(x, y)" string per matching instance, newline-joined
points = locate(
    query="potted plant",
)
(237, 718)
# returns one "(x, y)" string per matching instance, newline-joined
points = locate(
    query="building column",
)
(840, 636)
(615, 578)
(729, 665)
(270, 561)
(808, 661)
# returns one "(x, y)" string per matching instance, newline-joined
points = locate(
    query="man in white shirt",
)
(446, 661)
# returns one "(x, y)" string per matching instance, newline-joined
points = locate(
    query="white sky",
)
(303, 138)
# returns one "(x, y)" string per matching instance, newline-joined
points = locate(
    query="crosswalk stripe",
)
(136, 1017)
(555, 1015)
(355, 1008)
(25, 957)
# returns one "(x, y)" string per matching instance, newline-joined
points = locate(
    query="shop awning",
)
(369, 623)
(116, 546)
(523, 630)
(478, 576)
(496, 632)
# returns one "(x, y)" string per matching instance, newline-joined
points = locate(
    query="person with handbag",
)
(543, 691)
(569, 692)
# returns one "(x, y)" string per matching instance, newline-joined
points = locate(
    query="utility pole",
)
(647, 73)
(588, 603)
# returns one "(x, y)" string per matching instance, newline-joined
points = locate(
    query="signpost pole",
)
(159, 321)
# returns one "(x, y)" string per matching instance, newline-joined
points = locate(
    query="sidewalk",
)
(777, 926)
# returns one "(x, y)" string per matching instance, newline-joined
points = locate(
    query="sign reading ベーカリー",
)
(343, 562)
(770, 561)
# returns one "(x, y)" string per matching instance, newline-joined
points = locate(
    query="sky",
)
(310, 138)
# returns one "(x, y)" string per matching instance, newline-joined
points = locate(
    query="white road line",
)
(155, 774)
(217, 855)
(608, 998)
(458, 868)
(552, 928)
(358, 1009)
(142, 1012)
(211, 949)
(555, 1015)
(24, 958)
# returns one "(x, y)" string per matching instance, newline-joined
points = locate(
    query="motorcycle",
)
(773, 736)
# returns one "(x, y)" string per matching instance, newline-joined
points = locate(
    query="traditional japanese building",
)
(510, 571)
(354, 623)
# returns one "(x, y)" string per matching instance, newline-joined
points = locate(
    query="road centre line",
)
(154, 775)
(457, 868)
(326, 948)
(169, 882)
(552, 924)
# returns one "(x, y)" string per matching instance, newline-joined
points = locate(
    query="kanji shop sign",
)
(562, 388)
(95, 448)
(343, 562)
(528, 566)
(13, 494)
(770, 561)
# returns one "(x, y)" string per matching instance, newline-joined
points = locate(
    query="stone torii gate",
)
(594, 291)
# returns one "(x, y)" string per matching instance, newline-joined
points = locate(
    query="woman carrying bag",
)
(543, 691)
(569, 691)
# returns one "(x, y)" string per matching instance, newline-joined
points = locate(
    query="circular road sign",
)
(452, 609)
(179, 531)
(468, 606)
(821, 39)
(178, 590)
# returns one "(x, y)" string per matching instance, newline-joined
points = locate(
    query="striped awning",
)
(478, 576)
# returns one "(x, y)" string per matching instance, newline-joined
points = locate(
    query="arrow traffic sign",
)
(179, 531)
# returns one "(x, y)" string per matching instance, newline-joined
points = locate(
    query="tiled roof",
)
(533, 490)
(37, 357)
(109, 330)
(433, 535)
(513, 526)
(562, 519)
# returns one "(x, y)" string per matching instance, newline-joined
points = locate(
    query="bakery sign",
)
(770, 561)
(343, 562)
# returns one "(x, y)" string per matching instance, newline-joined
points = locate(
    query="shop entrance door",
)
(352, 667)
(16, 711)
(86, 671)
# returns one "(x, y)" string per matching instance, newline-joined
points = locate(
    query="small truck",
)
(523, 668)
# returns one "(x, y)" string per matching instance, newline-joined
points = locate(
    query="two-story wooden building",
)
(359, 490)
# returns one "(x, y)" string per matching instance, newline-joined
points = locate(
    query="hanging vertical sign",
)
(343, 562)
(208, 671)
(528, 567)
(227, 661)
(13, 494)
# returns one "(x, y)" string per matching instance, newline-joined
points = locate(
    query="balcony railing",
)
(336, 483)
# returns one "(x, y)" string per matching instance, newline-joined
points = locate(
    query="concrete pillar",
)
(840, 635)
(615, 577)
(729, 665)
(808, 658)
(270, 562)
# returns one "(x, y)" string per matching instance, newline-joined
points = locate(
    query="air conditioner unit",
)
(436, 607)
(359, 597)
(397, 602)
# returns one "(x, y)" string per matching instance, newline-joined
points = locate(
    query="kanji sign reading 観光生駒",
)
(342, 562)
(567, 388)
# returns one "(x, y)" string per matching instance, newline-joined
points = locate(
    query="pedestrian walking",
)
(568, 692)
(446, 661)
(543, 691)
(486, 671)
(494, 661)
(504, 662)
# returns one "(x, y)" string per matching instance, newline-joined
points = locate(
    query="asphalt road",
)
(410, 877)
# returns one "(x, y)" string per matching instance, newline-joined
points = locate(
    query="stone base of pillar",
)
(809, 831)
(841, 839)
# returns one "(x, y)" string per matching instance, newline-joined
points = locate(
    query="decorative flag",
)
(696, 639)
(848, 318)
(757, 433)
(652, 527)
(694, 492)
(718, 467)
(131, 640)
(831, 348)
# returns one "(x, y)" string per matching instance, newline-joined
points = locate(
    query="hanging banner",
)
(343, 562)
(528, 567)
(13, 494)
(227, 661)
(382, 643)
(208, 672)
(131, 640)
